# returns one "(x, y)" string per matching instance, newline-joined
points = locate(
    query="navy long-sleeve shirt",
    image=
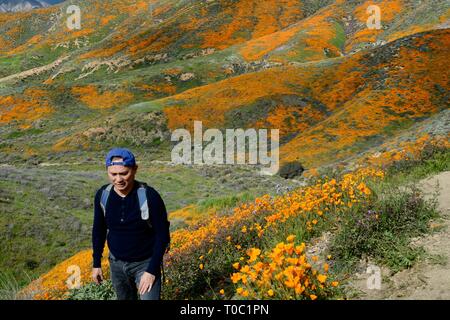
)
(129, 237)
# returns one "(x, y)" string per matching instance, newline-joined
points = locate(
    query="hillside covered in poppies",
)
(343, 95)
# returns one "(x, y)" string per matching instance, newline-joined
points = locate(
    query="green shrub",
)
(432, 159)
(383, 228)
(93, 291)
(9, 286)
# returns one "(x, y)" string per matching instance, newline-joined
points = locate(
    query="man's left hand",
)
(146, 283)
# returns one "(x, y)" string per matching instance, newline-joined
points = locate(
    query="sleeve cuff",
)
(152, 268)
(97, 263)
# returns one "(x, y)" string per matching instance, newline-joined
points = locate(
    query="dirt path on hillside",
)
(429, 278)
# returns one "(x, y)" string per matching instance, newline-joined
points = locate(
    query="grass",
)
(339, 40)
(22, 133)
(432, 160)
(42, 222)
(145, 107)
(220, 203)
(203, 209)
(10, 286)
(10, 65)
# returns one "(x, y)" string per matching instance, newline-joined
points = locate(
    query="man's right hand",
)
(97, 275)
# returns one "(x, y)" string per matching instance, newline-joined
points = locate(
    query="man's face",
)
(122, 177)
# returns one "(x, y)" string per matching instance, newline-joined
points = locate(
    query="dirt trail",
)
(430, 278)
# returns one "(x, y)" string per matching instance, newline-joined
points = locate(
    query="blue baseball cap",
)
(127, 156)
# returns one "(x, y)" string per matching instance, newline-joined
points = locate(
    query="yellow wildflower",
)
(290, 238)
(322, 278)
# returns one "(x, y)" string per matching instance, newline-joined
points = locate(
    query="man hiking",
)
(132, 217)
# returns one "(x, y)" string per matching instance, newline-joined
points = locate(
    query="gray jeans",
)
(125, 277)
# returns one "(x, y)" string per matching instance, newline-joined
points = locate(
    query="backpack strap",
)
(104, 198)
(143, 203)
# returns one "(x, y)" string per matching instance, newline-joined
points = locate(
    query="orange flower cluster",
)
(192, 214)
(33, 106)
(53, 285)
(267, 14)
(406, 150)
(185, 239)
(93, 99)
(328, 196)
(282, 273)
